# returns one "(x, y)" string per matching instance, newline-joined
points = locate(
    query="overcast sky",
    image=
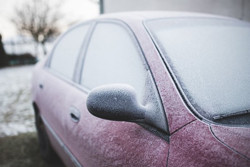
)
(72, 10)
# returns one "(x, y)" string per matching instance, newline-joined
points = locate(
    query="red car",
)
(147, 89)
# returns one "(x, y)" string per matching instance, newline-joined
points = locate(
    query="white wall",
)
(233, 8)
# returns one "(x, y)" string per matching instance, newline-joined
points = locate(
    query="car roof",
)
(148, 15)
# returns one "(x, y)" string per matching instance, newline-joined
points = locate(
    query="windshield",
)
(210, 60)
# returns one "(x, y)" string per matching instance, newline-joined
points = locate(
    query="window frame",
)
(133, 38)
(83, 46)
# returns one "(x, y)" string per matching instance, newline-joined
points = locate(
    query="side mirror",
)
(116, 102)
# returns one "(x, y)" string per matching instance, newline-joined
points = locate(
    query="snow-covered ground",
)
(16, 113)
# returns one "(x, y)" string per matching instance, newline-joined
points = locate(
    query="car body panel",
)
(114, 143)
(119, 140)
(62, 151)
(51, 116)
(195, 145)
(98, 142)
(235, 137)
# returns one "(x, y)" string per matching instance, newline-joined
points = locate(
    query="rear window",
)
(67, 50)
(210, 60)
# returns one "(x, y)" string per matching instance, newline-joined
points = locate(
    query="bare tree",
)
(38, 18)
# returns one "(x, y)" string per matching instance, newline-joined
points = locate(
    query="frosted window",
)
(113, 57)
(211, 60)
(67, 50)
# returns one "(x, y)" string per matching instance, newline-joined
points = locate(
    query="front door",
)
(114, 56)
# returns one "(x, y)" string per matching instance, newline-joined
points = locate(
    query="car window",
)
(113, 57)
(210, 59)
(66, 52)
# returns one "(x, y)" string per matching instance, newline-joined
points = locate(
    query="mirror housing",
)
(116, 102)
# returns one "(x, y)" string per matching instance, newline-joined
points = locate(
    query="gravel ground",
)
(16, 113)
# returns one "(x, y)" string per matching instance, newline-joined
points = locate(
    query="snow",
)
(16, 113)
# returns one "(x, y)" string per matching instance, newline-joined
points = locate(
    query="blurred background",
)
(28, 29)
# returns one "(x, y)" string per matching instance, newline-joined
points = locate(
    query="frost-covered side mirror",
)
(116, 102)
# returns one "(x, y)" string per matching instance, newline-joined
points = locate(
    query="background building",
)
(234, 8)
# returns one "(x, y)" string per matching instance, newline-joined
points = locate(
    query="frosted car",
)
(148, 90)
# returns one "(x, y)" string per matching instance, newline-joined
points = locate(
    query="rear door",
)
(114, 56)
(58, 79)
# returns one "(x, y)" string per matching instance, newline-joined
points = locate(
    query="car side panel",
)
(93, 141)
(99, 142)
(51, 100)
(45, 99)
(195, 145)
(238, 138)
(58, 146)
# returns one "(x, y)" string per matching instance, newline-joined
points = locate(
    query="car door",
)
(57, 79)
(114, 56)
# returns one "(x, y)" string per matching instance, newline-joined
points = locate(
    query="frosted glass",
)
(211, 60)
(113, 57)
(67, 50)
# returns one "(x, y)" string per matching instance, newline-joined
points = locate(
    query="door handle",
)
(74, 114)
